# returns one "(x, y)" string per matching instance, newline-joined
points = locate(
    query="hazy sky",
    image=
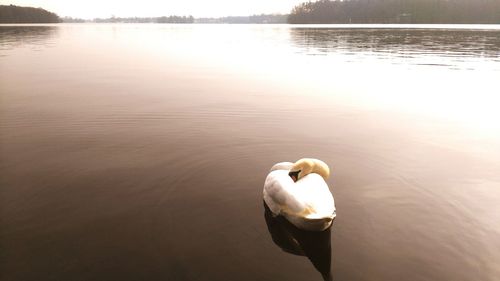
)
(124, 8)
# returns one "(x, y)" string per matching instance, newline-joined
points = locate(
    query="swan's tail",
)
(318, 223)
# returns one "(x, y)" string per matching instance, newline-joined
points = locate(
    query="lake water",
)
(139, 152)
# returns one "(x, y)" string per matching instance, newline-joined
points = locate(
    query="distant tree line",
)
(397, 11)
(73, 20)
(254, 19)
(164, 19)
(175, 19)
(16, 14)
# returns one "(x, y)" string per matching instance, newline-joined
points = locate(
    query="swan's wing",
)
(279, 193)
(315, 195)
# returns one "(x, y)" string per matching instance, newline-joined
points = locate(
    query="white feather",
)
(307, 203)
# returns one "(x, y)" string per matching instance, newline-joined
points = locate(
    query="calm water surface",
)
(139, 152)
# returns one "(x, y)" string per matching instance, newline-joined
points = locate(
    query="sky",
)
(90, 9)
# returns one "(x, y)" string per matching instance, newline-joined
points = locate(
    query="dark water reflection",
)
(32, 36)
(139, 152)
(315, 246)
(413, 45)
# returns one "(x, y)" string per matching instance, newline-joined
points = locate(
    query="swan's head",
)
(305, 166)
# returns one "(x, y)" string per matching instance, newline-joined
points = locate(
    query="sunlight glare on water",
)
(463, 80)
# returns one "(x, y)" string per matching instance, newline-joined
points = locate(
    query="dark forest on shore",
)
(397, 11)
(16, 14)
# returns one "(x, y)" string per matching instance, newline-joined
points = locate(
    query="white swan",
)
(298, 192)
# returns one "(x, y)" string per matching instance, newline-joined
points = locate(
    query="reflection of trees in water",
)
(316, 246)
(13, 36)
(463, 43)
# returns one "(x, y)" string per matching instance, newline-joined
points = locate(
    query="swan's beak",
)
(294, 175)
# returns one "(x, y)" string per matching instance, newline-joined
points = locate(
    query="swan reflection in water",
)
(315, 245)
